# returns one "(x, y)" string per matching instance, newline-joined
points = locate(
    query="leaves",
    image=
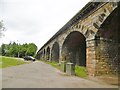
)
(13, 49)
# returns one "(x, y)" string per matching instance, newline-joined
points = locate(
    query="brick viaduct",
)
(89, 39)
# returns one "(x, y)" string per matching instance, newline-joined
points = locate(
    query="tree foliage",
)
(13, 49)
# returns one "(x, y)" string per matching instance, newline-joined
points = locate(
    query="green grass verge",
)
(9, 61)
(80, 71)
(54, 64)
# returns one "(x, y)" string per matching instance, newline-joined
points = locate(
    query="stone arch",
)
(38, 56)
(55, 52)
(41, 55)
(64, 36)
(48, 53)
(74, 48)
(107, 41)
(44, 54)
(105, 30)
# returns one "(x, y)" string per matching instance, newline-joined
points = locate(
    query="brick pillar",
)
(102, 57)
(60, 54)
(91, 57)
(106, 57)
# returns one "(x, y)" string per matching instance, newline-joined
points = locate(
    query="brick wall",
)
(106, 57)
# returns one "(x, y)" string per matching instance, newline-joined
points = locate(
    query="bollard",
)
(63, 66)
(70, 69)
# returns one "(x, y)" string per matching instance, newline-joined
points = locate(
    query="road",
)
(41, 75)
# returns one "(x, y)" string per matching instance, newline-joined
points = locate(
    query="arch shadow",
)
(55, 52)
(74, 48)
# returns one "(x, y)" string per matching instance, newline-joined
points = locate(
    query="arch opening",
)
(109, 28)
(40, 55)
(44, 54)
(55, 52)
(74, 48)
(48, 53)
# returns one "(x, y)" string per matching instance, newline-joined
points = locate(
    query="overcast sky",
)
(36, 21)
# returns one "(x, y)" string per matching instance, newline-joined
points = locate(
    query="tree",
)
(31, 50)
(2, 28)
(12, 49)
(4, 49)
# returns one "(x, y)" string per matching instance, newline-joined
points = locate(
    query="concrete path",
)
(41, 75)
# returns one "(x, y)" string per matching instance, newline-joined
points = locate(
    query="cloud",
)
(36, 20)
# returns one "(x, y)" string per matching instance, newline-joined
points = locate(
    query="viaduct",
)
(89, 39)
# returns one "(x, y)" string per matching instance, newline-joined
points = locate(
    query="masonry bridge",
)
(89, 39)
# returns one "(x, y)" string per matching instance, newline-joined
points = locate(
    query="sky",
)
(36, 21)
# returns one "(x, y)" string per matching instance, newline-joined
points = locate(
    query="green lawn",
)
(80, 71)
(9, 61)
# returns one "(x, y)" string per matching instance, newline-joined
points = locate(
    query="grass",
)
(9, 61)
(54, 64)
(80, 71)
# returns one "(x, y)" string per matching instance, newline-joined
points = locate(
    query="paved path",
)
(42, 75)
